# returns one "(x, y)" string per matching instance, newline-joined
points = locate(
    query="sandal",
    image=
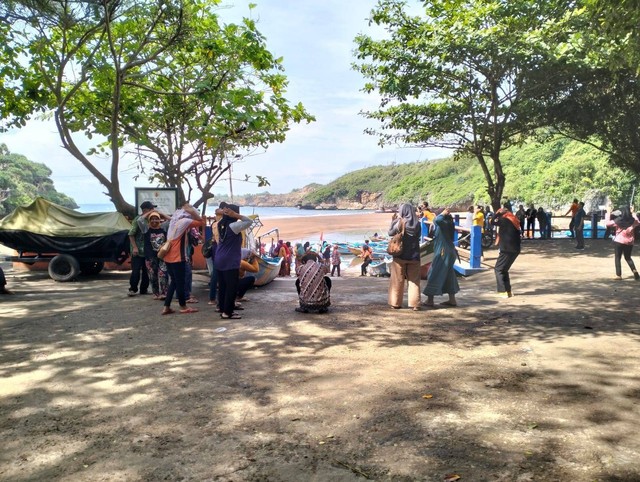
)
(192, 300)
(168, 311)
(186, 311)
(232, 316)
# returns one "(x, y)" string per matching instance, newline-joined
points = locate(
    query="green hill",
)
(550, 174)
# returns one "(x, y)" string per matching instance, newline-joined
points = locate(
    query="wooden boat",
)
(268, 269)
(380, 267)
(426, 258)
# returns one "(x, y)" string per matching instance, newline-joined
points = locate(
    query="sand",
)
(332, 227)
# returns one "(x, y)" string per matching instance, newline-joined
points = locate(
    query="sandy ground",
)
(96, 386)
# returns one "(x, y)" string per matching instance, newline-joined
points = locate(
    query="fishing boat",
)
(268, 269)
(380, 267)
(426, 258)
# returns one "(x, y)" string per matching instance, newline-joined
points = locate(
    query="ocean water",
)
(263, 212)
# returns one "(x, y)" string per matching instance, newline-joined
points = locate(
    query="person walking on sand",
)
(181, 222)
(335, 260)
(578, 225)
(406, 265)
(508, 241)
(573, 209)
(442, 277)
(623, 239)
(366, 253)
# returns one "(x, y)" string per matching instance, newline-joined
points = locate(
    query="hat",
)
(154, 215)
(233, 207)
(147, 205)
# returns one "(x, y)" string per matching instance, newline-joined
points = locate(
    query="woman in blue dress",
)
(442, 277)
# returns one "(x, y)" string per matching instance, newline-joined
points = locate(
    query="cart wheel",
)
(93, 268)
(64, 267)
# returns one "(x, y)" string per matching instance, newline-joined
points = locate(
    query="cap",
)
(147, 205)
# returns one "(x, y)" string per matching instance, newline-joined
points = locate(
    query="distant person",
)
(442, 277)
(366, 253)
(623, 240)
(508, 241)
(541, 216)
(532, 214)
(312, 284)
(406, 265)
(336, 259)
(507, 205)
(572, 211)
(578, 225)
(521, 215)
(139, 275)
(3, 284)
(478, 220)
(488, 216)
(326, 254)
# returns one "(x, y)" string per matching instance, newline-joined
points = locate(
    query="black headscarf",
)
(223, 224)
(625, 219)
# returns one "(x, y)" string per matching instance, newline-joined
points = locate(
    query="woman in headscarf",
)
(228, 256)
(623, 240)
(442, 277)
(182, 220)
(406, 265)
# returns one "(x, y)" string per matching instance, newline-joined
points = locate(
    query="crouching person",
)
(313, 284)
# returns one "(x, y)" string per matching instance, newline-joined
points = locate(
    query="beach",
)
(333, 228)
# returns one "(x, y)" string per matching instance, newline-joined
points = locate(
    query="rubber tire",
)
(64, 267)
(487, 241)
(91, 269)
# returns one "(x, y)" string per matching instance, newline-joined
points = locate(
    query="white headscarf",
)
(180, 221)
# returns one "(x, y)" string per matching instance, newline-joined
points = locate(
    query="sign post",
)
(166, 198)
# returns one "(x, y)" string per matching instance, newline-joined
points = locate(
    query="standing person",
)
(228, 255)
(573, 209)
(335, 260)
(139, 273)
(531, 213)
(623, 239)
(213, 279)
(508, 241)
(478, 220)
(194, 240)
(542, 222)
(406, 265)
(578, 225)
(326, 254)
(154, 237)
(181, 222)
(366, 253)
(313, 286)
(521, 215)
(3, 284)
(283, 253)
(442, 277)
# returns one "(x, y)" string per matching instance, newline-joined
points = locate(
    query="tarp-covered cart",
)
(71, 242)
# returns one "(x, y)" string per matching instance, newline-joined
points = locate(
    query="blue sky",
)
(315, 39)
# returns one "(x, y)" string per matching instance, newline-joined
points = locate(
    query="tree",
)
(458, 76)
(143, 73)
(22, 180)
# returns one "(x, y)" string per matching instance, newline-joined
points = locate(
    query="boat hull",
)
(268, 269)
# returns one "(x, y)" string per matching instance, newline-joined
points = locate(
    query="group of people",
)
(442, 278)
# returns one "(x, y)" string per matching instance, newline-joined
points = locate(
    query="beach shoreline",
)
(332, 228)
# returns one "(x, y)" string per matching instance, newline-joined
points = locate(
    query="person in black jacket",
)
(509, 243)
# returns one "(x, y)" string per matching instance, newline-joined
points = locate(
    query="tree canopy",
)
(164, 80)
(22, 180)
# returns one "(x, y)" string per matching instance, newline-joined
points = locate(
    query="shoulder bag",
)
(395, 243)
